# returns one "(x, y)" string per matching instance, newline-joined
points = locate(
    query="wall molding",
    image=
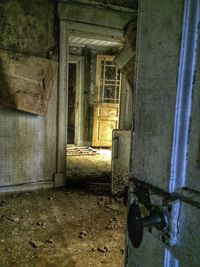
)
(27, 187)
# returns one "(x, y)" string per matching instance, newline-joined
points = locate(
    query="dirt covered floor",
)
(61, 228)
(84, 166)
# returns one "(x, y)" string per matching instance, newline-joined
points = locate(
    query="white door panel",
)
(150, 253)
(159, 37)
(193, 170)
(164, 191)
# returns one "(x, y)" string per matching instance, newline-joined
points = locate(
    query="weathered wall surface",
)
(121, 146)
(28, 142)
(28, 26)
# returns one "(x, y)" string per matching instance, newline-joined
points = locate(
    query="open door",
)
(106, 108)
(164, 194)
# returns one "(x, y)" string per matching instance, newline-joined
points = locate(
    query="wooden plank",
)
(93, 15)
(124, 56)
(62, 104)
(26, 82)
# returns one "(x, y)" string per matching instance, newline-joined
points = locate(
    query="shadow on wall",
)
(5, 91)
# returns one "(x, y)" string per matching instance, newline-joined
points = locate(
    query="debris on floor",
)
(86, 163)
(61, 228)
(73, 150)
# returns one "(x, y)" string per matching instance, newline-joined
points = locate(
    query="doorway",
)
(107, 101)
(93, 108)
(71, 103)
(88, 31)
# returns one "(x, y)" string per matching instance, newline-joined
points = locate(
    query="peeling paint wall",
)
(28, 142)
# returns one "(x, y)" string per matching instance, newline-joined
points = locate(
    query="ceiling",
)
(81, 41)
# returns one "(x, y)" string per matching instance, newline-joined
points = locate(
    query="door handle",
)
(136, 223)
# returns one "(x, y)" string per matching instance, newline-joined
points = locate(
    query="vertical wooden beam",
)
(60, 176)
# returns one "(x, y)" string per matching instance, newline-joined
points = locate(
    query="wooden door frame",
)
(79, 61)
(65, 29)
(62, 111)
(71, 21)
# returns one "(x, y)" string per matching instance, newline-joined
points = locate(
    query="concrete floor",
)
(61, 228)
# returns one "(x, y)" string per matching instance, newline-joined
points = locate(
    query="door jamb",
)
(79, 61)
(62, 111)
(62, 119)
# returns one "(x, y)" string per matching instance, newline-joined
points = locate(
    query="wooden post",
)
(60, 175)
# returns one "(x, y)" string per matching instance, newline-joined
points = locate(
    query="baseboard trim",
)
(60, 180)
(27, 187)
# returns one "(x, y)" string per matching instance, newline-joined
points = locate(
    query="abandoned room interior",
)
(99, 133)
